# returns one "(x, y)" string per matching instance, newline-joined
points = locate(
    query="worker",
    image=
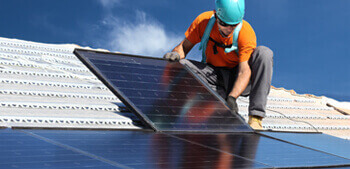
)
(232, 64)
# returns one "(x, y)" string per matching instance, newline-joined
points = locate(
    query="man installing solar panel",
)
(232, 64)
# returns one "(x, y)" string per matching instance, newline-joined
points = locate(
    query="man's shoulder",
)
(205, 15)
(246, 22)
(246, 26)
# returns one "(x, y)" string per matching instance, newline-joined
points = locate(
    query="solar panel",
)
(139, 149)
(166, 95)
(322, 142)
(265, 150)
(20, 150)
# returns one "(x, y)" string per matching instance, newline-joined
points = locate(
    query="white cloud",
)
(140, 34)
(109, 3)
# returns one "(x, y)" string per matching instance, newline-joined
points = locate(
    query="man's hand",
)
(172, 56)
(244, 74)
(231, 101)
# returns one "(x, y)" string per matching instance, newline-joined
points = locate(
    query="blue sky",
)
(310, 38)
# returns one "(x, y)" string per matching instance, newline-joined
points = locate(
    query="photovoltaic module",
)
(156, 150)
(165, 95)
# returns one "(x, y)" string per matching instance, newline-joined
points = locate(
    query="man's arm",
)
(242, 81)
(183, 48)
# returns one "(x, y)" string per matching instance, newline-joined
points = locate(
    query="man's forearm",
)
(183, 48)
(179, 49)
(241, 83)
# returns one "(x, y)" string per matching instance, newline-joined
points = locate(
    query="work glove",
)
(231, 101)
(172, 56)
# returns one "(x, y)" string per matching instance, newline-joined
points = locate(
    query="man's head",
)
(230, 12)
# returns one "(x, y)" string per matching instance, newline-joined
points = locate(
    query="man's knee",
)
(263, 54)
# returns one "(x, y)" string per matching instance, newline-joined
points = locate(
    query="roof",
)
(46, 86)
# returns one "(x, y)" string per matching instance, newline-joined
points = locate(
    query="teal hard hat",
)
(230, 11)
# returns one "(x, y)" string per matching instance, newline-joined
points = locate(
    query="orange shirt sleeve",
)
(195, 32)
(246, 42)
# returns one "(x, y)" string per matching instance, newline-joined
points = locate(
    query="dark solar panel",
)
(322, 142)
(20, 150)
(167, 96)
(138, 149)
(266, 150)
(143, 150)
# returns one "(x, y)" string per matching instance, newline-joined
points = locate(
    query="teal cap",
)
(230, 11)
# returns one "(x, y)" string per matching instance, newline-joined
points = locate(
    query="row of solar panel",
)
(176, 100)
(137, 149)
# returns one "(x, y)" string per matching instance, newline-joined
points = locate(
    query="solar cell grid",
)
(265, 150)
(165, 94)
(322, 142)
(139, 149)
(19, 150)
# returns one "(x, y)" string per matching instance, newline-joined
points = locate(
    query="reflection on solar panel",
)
(20, 150)
(322, 142)
(265, 150)
(138, 149)
(166, 95)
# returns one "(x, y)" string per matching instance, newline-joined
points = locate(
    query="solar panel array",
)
(138, 149)
(169, 97)
(166, 95)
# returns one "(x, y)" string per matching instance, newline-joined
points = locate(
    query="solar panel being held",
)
(165, 95)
